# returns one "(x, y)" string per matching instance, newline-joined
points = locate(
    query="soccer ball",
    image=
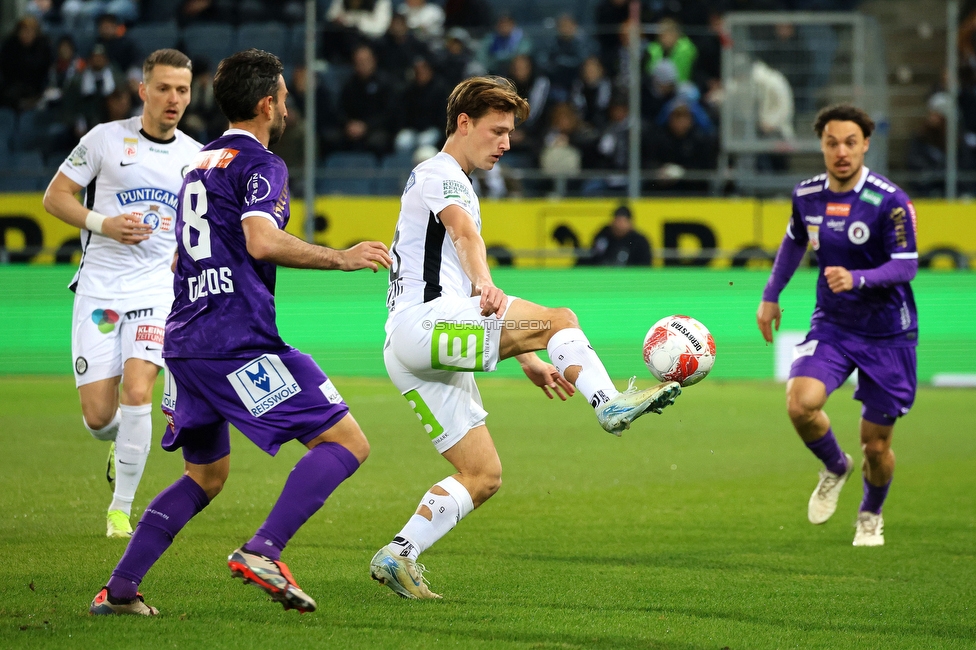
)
(679, 348)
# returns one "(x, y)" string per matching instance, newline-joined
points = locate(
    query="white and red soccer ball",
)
(679, 348)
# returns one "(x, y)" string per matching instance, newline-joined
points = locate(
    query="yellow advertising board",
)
(712, 232)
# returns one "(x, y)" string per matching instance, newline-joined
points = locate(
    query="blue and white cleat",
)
(402, 575)
(616, 415)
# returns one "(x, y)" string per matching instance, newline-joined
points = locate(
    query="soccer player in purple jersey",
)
(226, 363)
(862, 228)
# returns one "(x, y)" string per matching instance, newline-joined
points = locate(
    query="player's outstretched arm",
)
(473, 257)
(545, 376)
(267, 243)
(60, 201)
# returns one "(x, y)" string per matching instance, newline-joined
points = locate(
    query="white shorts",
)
(431, 356)
(105, 333)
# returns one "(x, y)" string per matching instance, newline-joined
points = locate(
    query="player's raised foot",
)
(118, 525)
(110, 468)
(616, 415)
(272, 576)
(404, 576)
(869, 529)
(105, 605)
(823, 501)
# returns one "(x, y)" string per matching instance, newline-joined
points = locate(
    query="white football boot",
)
(616, 415)
(404, 576)
(870, 529)
(823, 501)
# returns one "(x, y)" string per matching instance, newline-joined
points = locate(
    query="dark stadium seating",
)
(334, 77)
(154, 36)
(160, 10)
(352, 185)
(8, 123)
(28, 134)
(211, 41)
(397, 167)
(270, 37)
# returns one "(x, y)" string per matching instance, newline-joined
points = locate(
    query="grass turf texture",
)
(689, 532)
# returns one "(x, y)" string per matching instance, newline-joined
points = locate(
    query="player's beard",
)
(854, 171)
(277, 128)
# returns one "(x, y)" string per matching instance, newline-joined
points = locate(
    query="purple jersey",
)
(859, 229)
(224, 298)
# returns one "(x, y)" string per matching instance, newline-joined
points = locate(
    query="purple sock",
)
(828, 451)
(164, 517)
(314, 478)
(874, 497)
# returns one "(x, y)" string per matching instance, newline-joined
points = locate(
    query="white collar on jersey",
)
(857, 188)
(242, 132)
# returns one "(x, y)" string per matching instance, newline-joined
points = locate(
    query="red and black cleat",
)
(272, 576)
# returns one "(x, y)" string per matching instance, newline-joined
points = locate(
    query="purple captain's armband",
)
(890, 273)
(788, 258)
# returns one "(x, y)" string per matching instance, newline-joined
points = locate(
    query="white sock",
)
(446, 511)
(109, 431)
(131, 451)
(569, 347)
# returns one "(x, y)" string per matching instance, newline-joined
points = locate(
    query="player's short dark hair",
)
(172, 58)
(478, 95)
(244, 79)
(843, 113)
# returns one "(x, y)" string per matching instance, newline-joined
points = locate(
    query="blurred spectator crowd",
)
(386, 68)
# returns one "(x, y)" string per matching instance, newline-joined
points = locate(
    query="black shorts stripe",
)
(433, 247)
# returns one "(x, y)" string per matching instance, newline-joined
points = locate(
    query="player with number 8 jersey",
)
(225, 361)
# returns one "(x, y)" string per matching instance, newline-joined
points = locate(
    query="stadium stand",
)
(224, 26)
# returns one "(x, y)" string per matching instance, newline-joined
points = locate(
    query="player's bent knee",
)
(488, 484)
(209, 483)
(97, 421)
(359, 448)
(563, 318)
(875, 449)
(801, 409)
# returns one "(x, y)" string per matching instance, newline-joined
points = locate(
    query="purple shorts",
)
(886, 375)
(272, 399)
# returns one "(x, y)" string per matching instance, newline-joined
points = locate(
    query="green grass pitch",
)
(688, 532)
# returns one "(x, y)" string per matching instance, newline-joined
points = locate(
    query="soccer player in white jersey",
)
(131, 171)
(448, 320)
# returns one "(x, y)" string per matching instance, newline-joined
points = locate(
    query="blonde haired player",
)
(447, 320)
(131, 171)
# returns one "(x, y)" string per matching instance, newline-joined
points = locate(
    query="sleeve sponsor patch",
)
(151, 333)
(457, 190)
(331, 393)
(258, 189)
(898, 219)
(78, 157)
(216, 159)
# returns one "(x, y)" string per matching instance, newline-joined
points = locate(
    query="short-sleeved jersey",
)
(224, 299)
(859, 229)
(425, 262)
(126, 170)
